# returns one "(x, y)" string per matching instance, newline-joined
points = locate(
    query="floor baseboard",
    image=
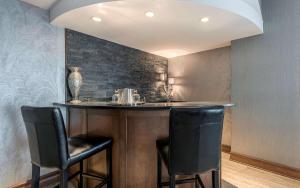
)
(226, 148)
(266, 165)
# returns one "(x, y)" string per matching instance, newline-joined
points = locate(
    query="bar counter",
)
(134, 129)
(149, 106)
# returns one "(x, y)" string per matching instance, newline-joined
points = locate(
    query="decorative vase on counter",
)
(75, 82)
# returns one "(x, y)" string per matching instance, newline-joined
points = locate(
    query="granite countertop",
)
(146, 106)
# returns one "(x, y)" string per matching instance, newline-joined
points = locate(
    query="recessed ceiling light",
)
(149, 14)
(205, 19)
(96, 19)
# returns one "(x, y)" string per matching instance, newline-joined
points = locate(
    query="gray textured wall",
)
(266, 87)
(204, 76)
(107, 66)
(32, 73)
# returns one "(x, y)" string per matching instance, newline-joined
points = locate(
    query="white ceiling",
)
(175, 29)
(44, 4)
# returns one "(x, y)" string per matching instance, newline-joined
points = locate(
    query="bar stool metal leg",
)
(196, 182)
(216, 179)
(200, 181)
(80, 175)
(35, 176)
(172, 181)
(109, 166)
(63, 179)
(158, 171)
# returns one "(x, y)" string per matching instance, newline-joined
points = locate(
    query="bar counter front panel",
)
(134, 130)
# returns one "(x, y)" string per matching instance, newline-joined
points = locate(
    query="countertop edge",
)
(156, 106)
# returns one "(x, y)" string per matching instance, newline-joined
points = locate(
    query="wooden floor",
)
(243, 176)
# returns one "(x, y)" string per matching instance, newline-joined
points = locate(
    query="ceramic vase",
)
(75, 82)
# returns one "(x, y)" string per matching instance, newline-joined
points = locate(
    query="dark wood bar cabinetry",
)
(134, 130)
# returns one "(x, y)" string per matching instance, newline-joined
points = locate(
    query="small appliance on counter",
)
(126, 96)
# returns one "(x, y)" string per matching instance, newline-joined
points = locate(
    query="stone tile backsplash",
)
(107, 66)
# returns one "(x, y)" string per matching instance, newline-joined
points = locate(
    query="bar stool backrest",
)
(195, 139)
(46, 136)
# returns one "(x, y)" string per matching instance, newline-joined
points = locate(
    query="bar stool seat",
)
(51, 148)
(84, 146)
(193, 146)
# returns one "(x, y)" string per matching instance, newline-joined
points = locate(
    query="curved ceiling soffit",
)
(63, 6)
(238, 7)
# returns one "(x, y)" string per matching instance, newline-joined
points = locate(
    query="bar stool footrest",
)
(92, 176)
(181, 181)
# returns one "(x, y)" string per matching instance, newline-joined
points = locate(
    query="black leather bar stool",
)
(50, 147)
(193, 146)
